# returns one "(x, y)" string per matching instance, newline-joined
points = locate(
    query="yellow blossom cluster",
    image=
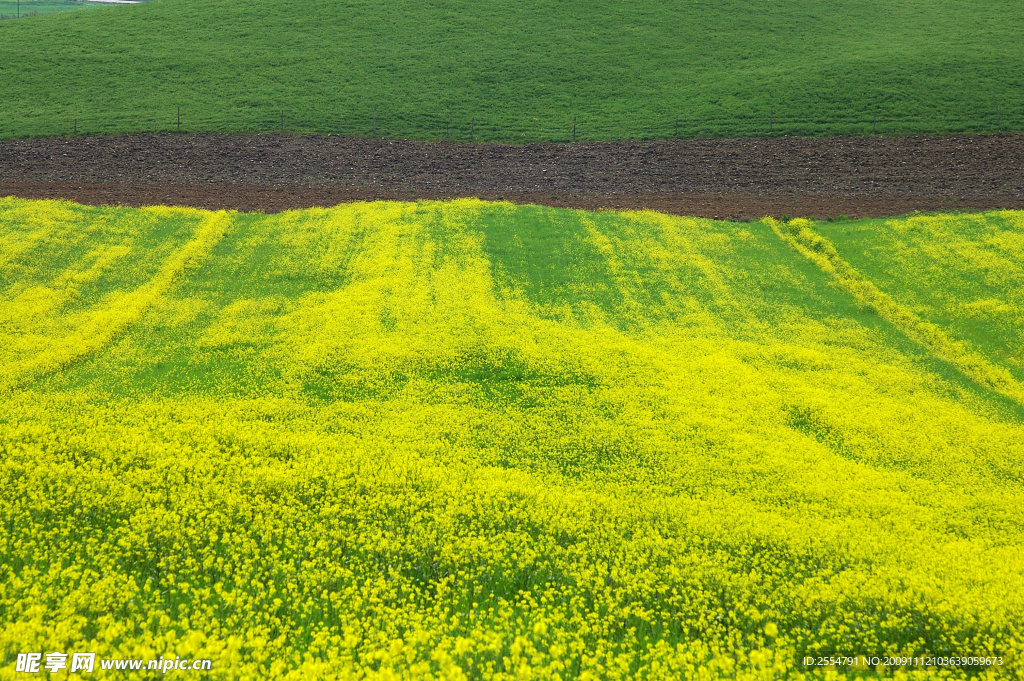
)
(472, 440)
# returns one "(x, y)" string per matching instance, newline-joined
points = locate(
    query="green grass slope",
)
(523, 70)
(964, 273)
(477, 440)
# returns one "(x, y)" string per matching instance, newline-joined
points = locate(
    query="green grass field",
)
(478, 440)
(623, 69)
(28, 9)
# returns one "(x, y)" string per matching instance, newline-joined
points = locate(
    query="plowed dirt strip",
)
(727, 178)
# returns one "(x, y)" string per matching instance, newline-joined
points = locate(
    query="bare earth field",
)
(742, 178)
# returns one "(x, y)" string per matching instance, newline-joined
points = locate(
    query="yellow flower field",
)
(475, 440)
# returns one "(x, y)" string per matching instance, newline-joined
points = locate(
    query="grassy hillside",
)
(506, 442)
(523, 70)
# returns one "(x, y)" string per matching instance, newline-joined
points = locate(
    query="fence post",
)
(771, 117)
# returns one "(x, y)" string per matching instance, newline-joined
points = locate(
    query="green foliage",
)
(523, 71)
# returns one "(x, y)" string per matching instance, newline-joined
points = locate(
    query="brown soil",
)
(729, 178)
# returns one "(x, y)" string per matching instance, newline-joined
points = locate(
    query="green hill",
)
(518, 71)
(477, 440)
